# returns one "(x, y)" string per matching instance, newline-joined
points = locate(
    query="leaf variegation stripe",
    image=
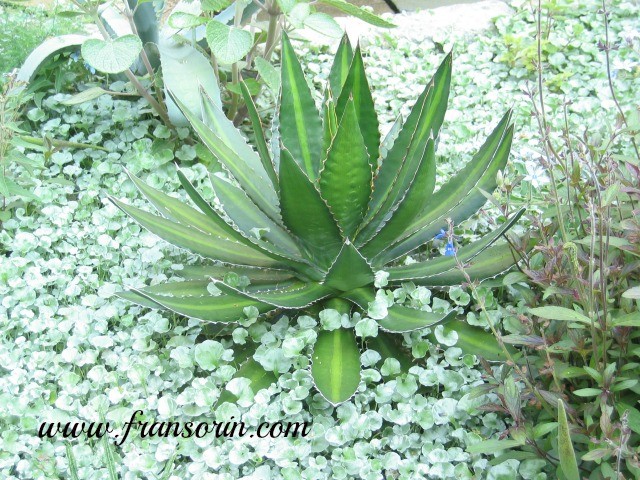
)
(336, 365)
(261, 142)
(399, 318)
(196, 241)
(218, 123)
(300, 124)
(409, 206)
(356, 88)
(306, 213)
(241, 171)
(458, 199)
(254, 274)
(211, 308)
(350, 270)
(340, 67)
(175, 210)
(193, 288)
(345, 178)
(430, 268)
(294, 294)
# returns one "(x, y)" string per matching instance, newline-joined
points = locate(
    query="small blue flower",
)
(450, 250)
(441, 235)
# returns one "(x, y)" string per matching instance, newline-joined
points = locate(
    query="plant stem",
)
(133, 79)
(607, 47)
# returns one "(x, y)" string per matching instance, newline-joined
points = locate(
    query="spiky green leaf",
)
(201, 243)
(340, 67)
(252, 182)
(300, 124)
(474, 340)
(423, 271)
(350, 270)
(568, 461)
(461, 196)
(423, 122)
(305, 212)
(211, 308)
(336, 364)
(399, 318)
(261, 143)
(291, 294)
(409, 206)
(356, 87)
(345, 178)
(258, 377)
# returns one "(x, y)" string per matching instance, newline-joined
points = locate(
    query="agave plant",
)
(310, 220)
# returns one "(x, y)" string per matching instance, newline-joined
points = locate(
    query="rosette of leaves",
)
(310, 220)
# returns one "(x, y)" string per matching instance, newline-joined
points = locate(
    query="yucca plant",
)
(310, 220)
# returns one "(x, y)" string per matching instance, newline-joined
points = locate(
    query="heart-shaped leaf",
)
(228, 44)
(112, 56)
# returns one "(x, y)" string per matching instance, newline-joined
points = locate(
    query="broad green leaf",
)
(350, 270)
(358, 12)
(86, 96)
(215, 5)
(305, 213)
(324, 24)
(409, 206)
(259, 378)
(298, 14)
(633, 293)
(356, 88)
(492, 446)
(461, 196)
(346, 175)
(340, 67)
(629, 320)
(112, 56)
(228, 44)
(399, 318)
(46, 50)
(269, 74)
(300, 125)
(250, 181)
(181, 20)
(181, 60)
(568, 462)
(261, 143)
(422, 272)
(210, 308)
(336, 365)
(475, 340)
(294, 294)
(560, 313)
(201, 243)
